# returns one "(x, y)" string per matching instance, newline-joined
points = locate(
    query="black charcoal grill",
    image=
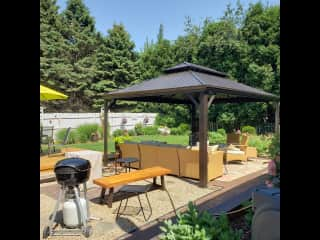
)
(70, 173)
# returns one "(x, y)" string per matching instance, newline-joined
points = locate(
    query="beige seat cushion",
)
(214, 148)
(236, 152)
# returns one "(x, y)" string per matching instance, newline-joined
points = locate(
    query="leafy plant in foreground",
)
(199, 226)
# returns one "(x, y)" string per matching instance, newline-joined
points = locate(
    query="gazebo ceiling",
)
(185, 79)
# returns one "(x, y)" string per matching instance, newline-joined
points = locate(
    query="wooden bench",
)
(125, 178)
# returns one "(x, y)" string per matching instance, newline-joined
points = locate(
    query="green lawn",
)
(98, 146)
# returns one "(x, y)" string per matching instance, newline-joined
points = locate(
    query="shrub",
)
(118, 132)
(274, 147)
(101, 130)
(121, 139)
(138, 129)
(132, 133)
(199, 226)
(60, 135)
(174, 131)
(150, 130)
(85, 131)
(249, 129)
(221, 131)
(162, 120)
(226, 120)
(184, 129)
(261, 143)
(216, 138)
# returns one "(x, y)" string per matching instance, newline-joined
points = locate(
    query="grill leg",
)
(81, 210)
(85, 197)
(54, 214)
(89, 217)
(103, 192)
(110, 198)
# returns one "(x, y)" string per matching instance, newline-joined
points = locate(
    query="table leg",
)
(155, 180)
(163, 183)
(103, 191)
(110, 198)
(115, 166)
(129, 166)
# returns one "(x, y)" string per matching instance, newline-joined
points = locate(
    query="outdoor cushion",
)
(236, 152)
(214, 148)
(234, 148)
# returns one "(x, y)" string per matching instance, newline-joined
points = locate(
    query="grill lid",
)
(79, 164)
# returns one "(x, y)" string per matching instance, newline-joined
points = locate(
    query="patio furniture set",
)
(184, 161)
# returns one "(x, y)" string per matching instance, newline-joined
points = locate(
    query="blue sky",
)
(142, 18)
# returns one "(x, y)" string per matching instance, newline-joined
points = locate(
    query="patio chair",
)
(233, 138)
(237, 152)
(65, 140)
(136, 190)
(46, 137)
(131, 150)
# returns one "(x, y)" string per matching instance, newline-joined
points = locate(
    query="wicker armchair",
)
(243, 153)
(233, 138)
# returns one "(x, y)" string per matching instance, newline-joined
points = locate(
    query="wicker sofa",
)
(180, 160)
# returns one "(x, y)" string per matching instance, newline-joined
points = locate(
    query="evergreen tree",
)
(81, 44)
(116, 64)
(53, 63)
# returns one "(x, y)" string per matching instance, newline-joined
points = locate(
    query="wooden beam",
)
(194, 130)
(203, 136)
(277, 118)
(192, 99)
(158, 99)
(211, 100)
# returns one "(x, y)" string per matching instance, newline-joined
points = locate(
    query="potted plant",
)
(274, 164)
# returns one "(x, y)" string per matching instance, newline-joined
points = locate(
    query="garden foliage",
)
(199, 226)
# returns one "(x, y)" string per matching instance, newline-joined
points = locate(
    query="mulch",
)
(238, 223)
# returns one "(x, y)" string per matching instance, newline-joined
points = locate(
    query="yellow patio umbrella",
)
(49, 94)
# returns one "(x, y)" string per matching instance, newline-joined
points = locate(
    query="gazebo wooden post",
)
(105, 133)
(193, 113)
(277, 118)
(203, 136)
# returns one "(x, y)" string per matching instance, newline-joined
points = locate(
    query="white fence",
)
(116, 120)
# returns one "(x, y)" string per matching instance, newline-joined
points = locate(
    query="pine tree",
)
(53, 63)
(81, 41)
(116, 64)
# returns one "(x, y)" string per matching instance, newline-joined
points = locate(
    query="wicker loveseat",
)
(180, 160)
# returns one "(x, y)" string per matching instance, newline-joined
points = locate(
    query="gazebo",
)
(196, 86)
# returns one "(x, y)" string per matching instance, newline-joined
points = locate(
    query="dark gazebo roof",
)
(185, 79)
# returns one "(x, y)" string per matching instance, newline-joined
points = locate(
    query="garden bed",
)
(241, 221)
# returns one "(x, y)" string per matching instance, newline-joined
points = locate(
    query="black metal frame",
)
(136, 193)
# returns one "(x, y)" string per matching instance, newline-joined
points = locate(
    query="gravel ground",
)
(181, 190)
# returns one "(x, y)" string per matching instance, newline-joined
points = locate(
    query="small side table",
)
(127, 160)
